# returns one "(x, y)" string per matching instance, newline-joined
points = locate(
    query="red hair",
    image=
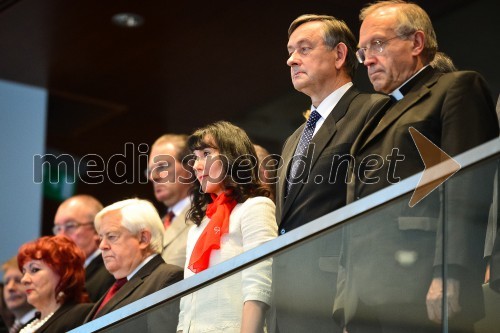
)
(66, 260)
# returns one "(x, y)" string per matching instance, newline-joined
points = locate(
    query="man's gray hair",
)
(137, 215)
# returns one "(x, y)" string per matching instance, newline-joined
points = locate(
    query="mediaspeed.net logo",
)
(132, 166)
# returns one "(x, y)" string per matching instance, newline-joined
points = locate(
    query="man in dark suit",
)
(75, 219)
(131, 234)
(391, 275)
(312, 176)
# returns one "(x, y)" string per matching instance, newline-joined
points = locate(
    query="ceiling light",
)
(128, 20)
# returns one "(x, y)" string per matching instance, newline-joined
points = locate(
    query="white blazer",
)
(218, 307)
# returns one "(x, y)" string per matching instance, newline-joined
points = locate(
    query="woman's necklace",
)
(35, 324)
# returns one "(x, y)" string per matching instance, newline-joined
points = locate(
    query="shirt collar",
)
(327, 105)
(180, 206)
(399, 93)
(144, 262)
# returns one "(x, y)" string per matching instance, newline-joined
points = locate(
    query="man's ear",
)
(341, 53)
(145, 238)
(418, 42)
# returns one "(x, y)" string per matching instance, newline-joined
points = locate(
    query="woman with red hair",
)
(54, 278)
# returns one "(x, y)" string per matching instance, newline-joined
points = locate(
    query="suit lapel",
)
(129, 287)
(377, 125)
(122, 294)
(288, 151)
(322, 138)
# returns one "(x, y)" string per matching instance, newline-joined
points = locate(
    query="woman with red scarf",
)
(232, 213)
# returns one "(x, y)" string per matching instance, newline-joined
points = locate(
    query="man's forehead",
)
(72, 210)
(12, 271)
(384, 12)
(165, 149)
(371, 29)
(112, 216)
(383, 18)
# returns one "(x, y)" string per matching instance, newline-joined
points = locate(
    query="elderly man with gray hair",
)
(131, 241)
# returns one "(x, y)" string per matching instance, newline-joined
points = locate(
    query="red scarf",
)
(218, 212)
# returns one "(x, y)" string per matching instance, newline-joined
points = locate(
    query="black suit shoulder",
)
(370, 105)
(453, 110)
(165, 275)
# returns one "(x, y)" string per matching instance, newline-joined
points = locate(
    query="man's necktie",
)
(16, 327)
(111, 292)
(167, 220)
(301, 149)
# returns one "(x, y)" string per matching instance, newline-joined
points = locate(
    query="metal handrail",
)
(327, 222)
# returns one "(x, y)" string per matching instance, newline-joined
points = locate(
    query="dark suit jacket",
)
(321, 193)
(456, 112)
(97, 279)
(155, 275)
(66, 318)
(309, 273)
(495, 219)
(495, 265)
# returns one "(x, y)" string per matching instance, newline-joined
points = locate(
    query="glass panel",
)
(159, 319)
(385, 269)
(304, 285)
(373, 273)
(384, 257)
(491, 288)
(471, 217)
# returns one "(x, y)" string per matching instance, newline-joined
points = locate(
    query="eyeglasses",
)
(70, 227)
(375, 46)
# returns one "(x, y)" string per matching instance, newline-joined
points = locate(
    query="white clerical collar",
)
(89, 259)
(397, 94)
(144, 262)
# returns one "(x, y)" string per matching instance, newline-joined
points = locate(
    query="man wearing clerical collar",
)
(396, 284)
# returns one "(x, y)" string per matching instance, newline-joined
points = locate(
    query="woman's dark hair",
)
(239, 164)
(66, 260)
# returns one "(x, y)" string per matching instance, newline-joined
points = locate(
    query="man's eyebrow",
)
(299, 43)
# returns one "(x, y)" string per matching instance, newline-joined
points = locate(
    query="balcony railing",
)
(382, 254)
